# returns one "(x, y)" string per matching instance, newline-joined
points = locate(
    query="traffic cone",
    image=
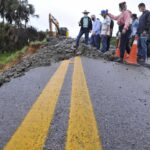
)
(126, 56)
(133, 54)
(117, 53)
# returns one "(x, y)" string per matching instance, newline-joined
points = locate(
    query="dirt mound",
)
(54, 51)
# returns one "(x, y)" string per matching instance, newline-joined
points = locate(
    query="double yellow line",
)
(82, 130)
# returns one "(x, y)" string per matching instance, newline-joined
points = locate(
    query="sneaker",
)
(116, 58)
(119, 60)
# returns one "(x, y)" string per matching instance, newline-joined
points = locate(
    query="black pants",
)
(132, 40)
(124, 42)
(108, 42)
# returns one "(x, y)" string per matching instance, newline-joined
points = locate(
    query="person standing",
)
(143, 31)
(124, 22)
(95, 37)
(134, 27)
(105, 31)
(111, 33)
(86, 27)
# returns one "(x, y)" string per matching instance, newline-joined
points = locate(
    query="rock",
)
(108, 55)
(7, 79)
(2, 80)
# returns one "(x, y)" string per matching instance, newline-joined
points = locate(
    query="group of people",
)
(129, 27)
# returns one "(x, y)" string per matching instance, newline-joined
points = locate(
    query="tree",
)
(2, 9)
(11, 8)
(16, 11)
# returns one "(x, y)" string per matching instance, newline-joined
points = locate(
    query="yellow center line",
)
(32, 133)
(82, 132)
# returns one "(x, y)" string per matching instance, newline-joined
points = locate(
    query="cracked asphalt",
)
(120, 95)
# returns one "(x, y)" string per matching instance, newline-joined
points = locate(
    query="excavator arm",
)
(63, 31)
(53, 20)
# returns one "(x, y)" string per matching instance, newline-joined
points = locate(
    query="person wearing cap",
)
(95, 37)
(143, 32)
(134, 26)
(86, 27)
(124, 22)
(105, 31)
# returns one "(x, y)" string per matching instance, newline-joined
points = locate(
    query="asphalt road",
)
(119, 94)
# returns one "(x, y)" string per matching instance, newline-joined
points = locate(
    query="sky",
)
(69, 12)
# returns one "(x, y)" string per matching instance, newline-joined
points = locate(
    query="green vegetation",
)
(14, 30)
(7, 57)
(38, 42)
(113, 41)
(16, 11)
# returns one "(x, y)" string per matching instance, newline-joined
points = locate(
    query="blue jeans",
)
(142, 47)
(95, 41)
(104, 43)
(82, 31)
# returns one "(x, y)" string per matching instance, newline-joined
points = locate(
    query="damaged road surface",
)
(77, 104)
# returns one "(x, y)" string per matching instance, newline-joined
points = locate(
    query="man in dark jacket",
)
(86, 27)
(143, 32)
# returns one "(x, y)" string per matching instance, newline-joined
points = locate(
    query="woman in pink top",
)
(124, 22)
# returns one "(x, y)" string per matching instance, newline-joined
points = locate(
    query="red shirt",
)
(123, 19)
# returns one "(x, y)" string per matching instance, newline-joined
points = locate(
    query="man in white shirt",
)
(105, 31)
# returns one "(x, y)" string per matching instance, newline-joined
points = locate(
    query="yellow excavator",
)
(59, 31)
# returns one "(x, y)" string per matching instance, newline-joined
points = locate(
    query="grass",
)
(38, 42)
(7, 57)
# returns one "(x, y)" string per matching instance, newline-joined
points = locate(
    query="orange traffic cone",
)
(133, 54)
(117, 53)
(126, 56)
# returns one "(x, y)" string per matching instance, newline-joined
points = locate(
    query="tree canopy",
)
(16, 11)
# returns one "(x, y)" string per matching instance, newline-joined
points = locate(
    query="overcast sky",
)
(69, 12)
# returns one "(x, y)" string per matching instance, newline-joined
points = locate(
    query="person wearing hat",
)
(95, 37)
(143, 32)
(134, 26)
(105, 31)
(124, 22)
(86, 27)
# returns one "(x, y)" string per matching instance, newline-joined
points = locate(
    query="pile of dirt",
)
(57, 49)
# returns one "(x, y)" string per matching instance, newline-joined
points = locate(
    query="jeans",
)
(104, 43)
(95, 41)
(125, 43)
(82, 31)
(142, 47)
